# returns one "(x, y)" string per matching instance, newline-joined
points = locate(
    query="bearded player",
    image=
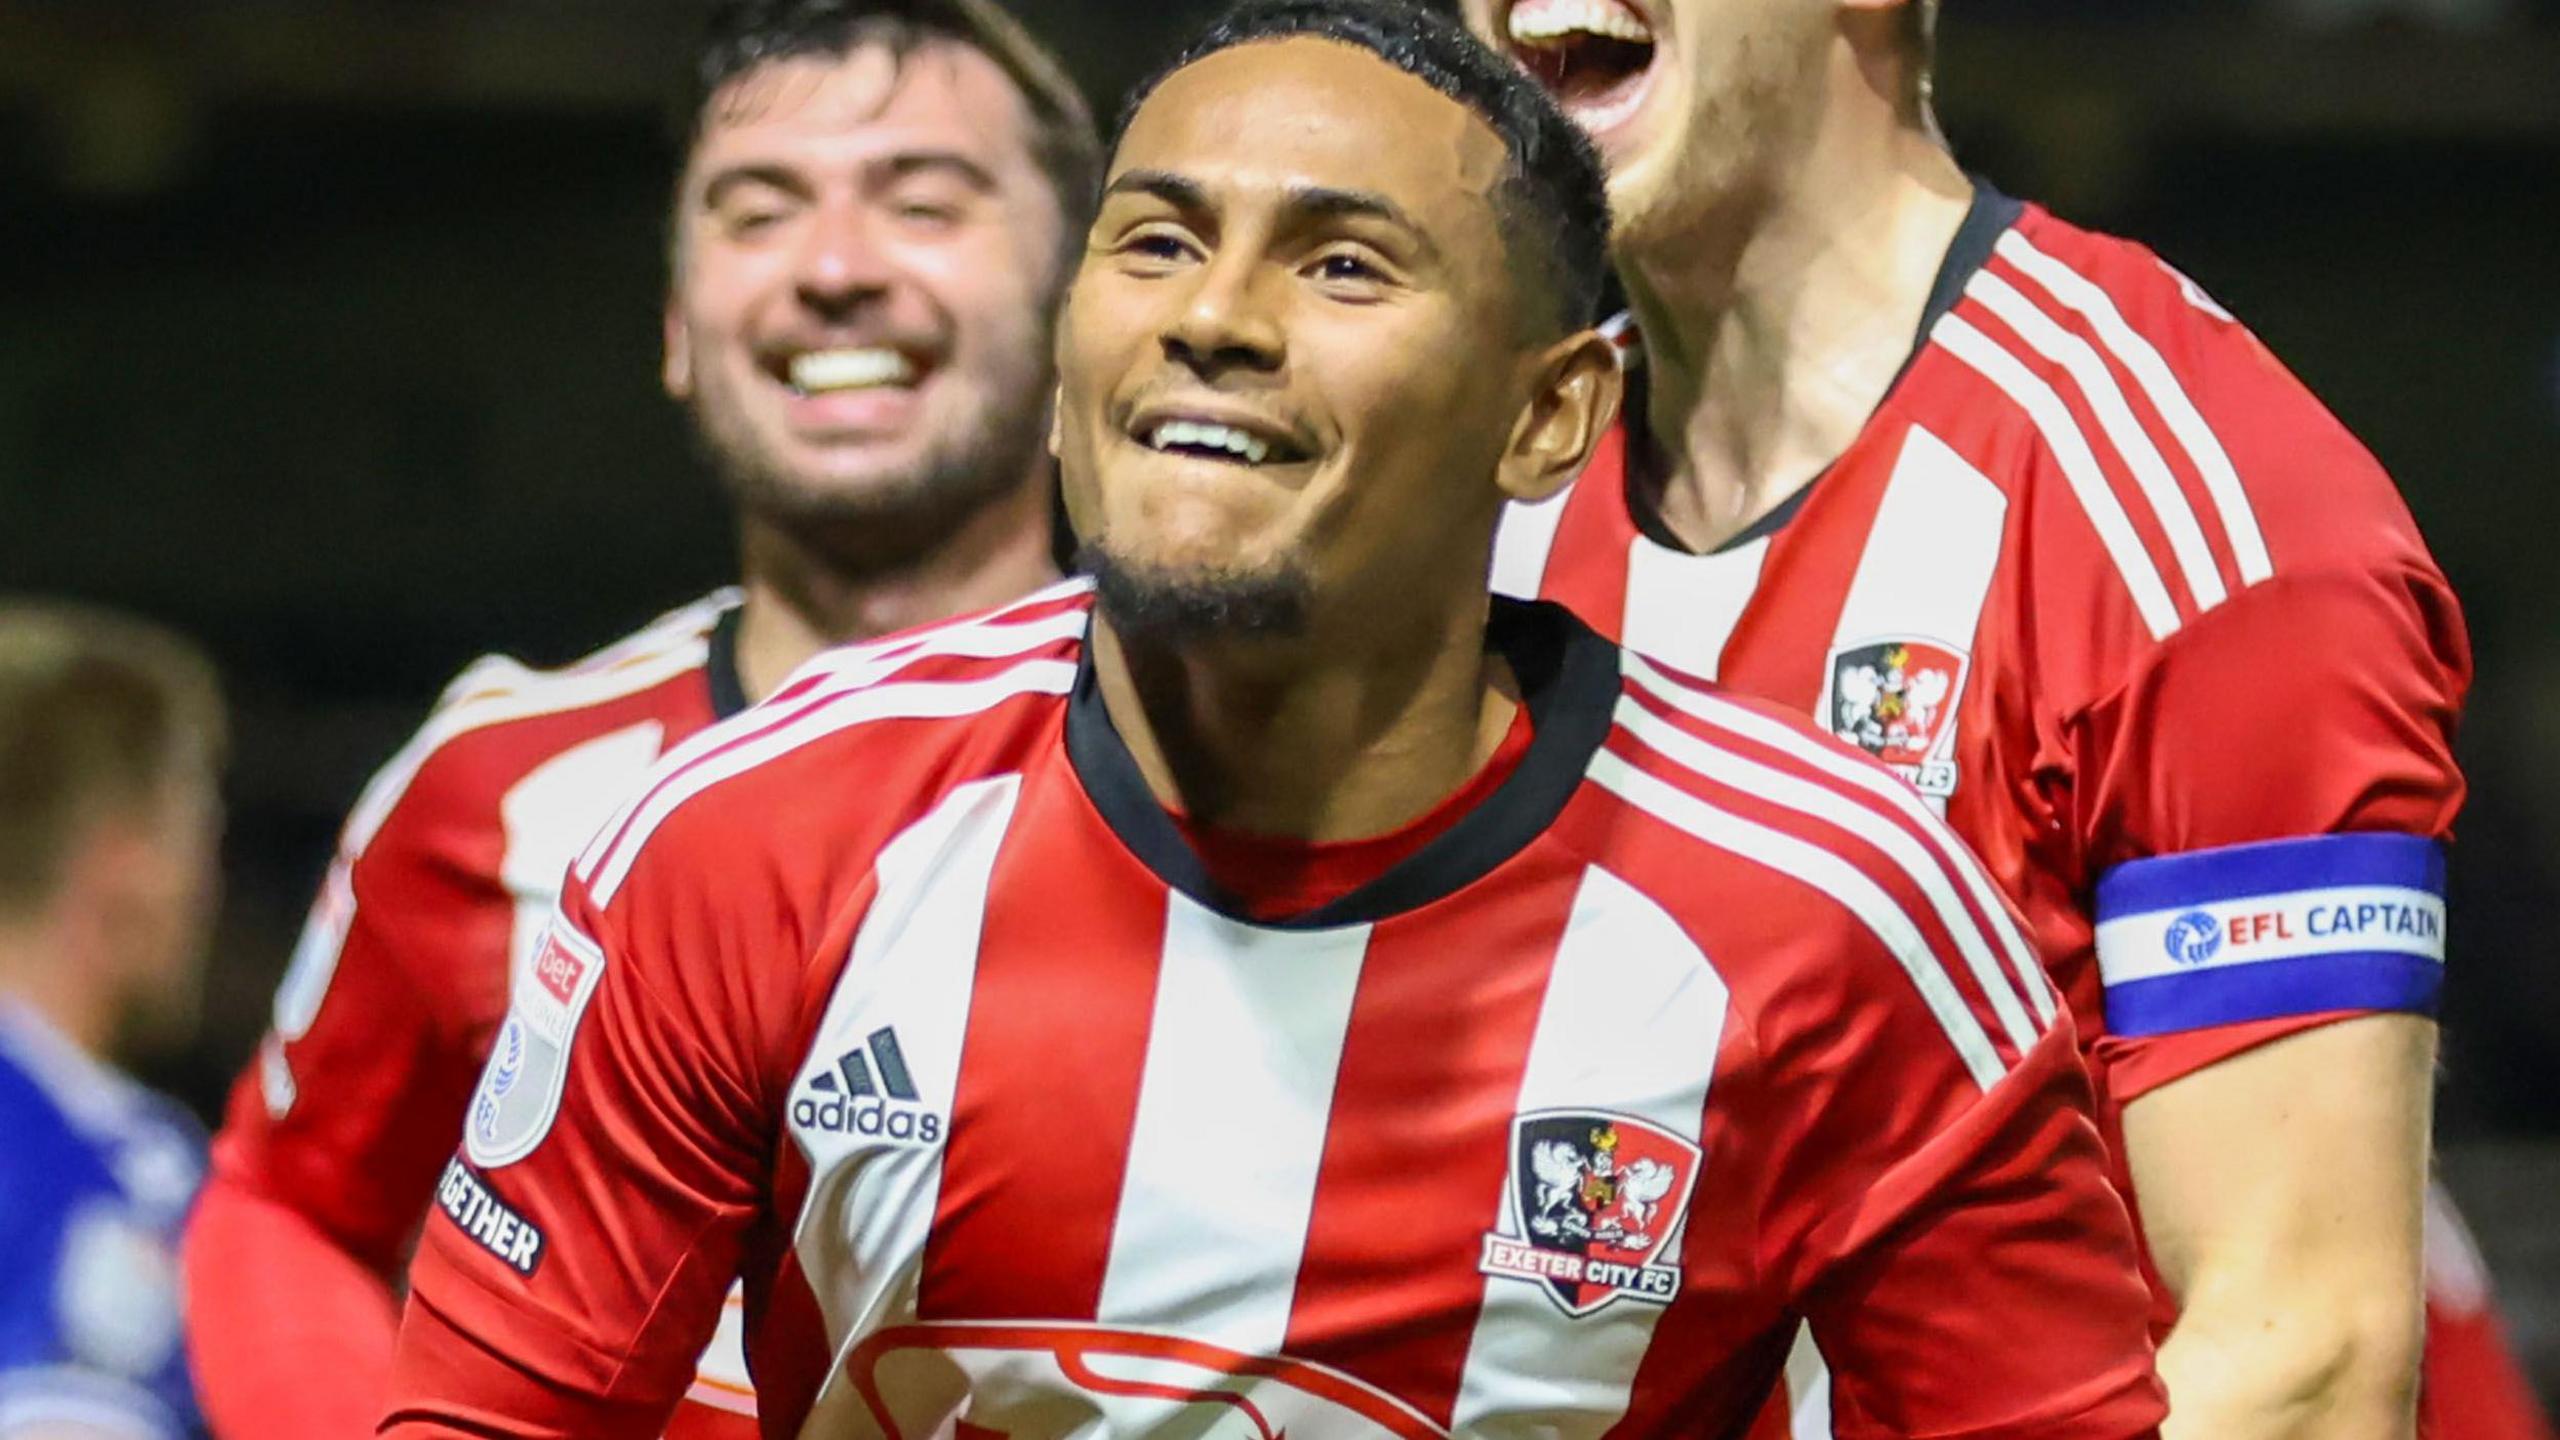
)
(2020, 510)
(871, 227)
(1278, 989)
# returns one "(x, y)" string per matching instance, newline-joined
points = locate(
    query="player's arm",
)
(1968, 1270)
(337, 1128)
(2271, 788)
(585, 1237)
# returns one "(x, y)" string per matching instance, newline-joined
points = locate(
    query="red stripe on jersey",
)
(1031, 1174)
(1782, 651)
(1417, 1153)
(787, 1340)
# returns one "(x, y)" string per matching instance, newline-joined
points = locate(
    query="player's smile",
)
(1218, 434)
(845, 388)
(1599, 58)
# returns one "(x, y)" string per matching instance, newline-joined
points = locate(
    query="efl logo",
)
(559, 970)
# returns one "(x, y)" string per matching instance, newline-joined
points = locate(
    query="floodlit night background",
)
(329, 334)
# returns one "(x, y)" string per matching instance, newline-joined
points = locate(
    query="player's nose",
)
(1226, 322)
(840, 264)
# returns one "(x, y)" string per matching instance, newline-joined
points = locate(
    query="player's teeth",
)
(1536, 22)
(1173, 433)
(819, 371)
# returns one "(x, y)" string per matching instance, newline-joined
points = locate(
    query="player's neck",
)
(1767, 355)
(37, 976)
(800, 600)
(1320, 742)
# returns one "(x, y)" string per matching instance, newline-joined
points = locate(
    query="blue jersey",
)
(95, 1177)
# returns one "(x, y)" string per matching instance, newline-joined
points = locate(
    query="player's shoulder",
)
(78, 1129)
(500, 719)
(863, 733)
(1817, 880)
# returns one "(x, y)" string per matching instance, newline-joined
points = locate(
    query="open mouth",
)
(1201, 439)
(1592, 55)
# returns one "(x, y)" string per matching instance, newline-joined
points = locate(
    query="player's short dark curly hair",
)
(1553, 201)
(745, 34)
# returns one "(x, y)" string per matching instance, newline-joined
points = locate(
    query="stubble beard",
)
(1151, 604)
(886, 522)
(1747, 120)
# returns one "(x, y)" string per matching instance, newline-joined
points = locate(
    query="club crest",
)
(1896, 700)
(1596, 1200)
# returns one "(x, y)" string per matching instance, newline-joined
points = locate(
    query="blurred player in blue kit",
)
(111, 736)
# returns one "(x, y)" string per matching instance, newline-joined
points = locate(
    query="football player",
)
(2018, 509)
(1276, 989)
(871, 227)
(111, 739)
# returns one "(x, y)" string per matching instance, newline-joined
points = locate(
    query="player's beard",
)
(885, 522)
(1153, 605)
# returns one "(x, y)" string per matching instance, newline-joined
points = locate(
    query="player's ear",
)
(675, 367)
(1573, 399)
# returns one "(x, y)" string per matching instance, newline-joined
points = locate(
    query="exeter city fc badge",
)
(1595, 1203)
(1896, 700)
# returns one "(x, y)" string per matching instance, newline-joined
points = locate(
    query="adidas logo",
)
(870, 1093)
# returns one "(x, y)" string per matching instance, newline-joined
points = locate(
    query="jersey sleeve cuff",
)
(2285, 928)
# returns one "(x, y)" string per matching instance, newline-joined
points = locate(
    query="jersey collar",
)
(720, 667)
(1569, 680)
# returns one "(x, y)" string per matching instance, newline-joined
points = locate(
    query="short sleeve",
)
(2264, 806)
(612, 1163)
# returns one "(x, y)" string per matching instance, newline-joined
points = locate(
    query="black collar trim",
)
(1569, 679)
(720, 667)
(1986, 219)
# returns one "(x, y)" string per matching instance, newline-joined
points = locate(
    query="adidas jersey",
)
(903, 997)
(446, 871)
(97, 1180)
(2128, 607)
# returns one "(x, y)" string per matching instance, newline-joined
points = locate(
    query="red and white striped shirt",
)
(903, 997)
(446, 873)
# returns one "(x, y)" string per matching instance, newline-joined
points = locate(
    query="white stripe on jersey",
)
(1811, 865)
(1521, 546)
(931, 901)
(2062, 436)
(1633, 1015)
(1683, 607)
(1927, 565)
(912, 700)
(1897, 842)
(2137, 355)
(1224, 1152)
(1715, 710)
(2098, 386)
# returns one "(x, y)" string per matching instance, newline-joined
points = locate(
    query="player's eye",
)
(1155, 248)
(1350, 273)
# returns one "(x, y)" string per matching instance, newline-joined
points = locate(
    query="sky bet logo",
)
(851, 1102)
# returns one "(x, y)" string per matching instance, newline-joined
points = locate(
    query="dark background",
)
(328, 332)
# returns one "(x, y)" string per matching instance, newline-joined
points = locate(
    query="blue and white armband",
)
(2261, 932)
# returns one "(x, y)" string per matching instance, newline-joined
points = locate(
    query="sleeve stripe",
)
(1828, 873)
(2273, 867)
(2169, 504)
(2062, 436)
(842, 672)
(913, 700)
(1710, 709)
(2230, 499)
(1906, 852)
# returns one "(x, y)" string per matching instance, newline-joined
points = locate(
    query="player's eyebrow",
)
(772, 177)
(949, 162)
(1303, 204)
